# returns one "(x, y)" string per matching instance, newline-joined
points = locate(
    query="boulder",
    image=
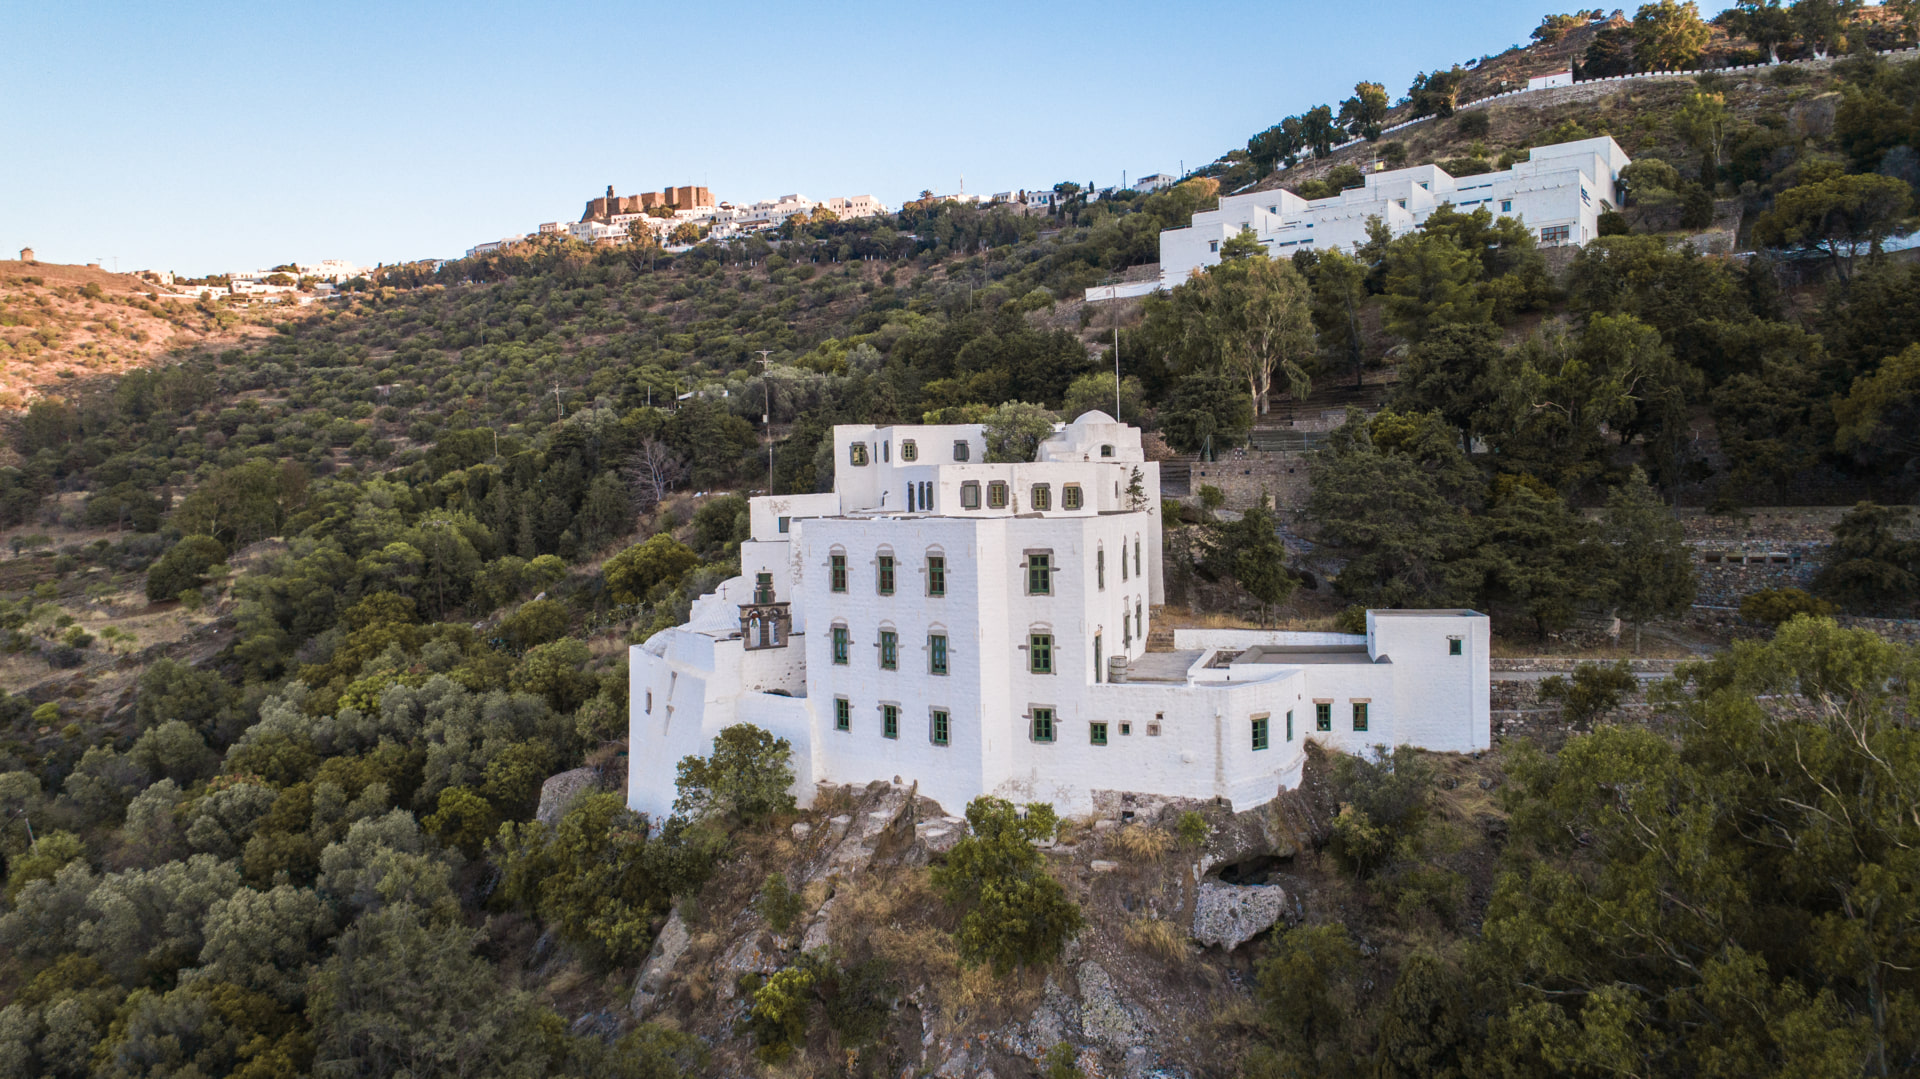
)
(656, 972)
(1105, 1019)
(1229, 915)
(559, 791)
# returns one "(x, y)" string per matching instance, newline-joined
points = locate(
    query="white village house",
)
(1559, 192)
(981, 628)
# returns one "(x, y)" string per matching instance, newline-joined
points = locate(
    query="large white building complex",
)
(1559, 192)
(980, 627)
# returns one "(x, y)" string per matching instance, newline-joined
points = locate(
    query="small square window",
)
(889, 650)
(937, 653)
(885, 567)
(857, 453)
(889, 721)
(1040, 653)
(1042, 725)
(842, 714)
(837, 565)
(1506, 206)
(840, 642)
(783, 524)
(1323, 716)
(1039, 574)
(961, 451)
(1041, 497)
(1126, 729)
(936, 575)
(1070, 497)
(1259, 732)
(942, 731)
(1359, 715)
(1453, 646)
(1097, 733)
(909, 451)
(970, 495)
(1106, 450)
(996, 495)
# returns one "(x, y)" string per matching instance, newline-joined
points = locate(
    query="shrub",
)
(1474, 124)
(777, 1014)
(745, 780)
(1192, 828)
(1016, 914)
(1157, 937)
(1381, 798)
(777, 903)
(1138, 843)
(184, 566)
(1595, 688)
(1774, 607)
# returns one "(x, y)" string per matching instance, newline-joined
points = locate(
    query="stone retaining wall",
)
(1244, 474)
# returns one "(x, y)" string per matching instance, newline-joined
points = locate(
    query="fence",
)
(1479, 101)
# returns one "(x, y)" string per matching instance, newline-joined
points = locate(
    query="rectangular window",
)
(1136, 558)
(1097, 733)
(1070, 497)
(1040, 653)
(936, 575)
(1100, 568)
(1323, 715)
(840, 641)
(970, 495)
(889, 650)
(1556, 234)
(1453, 646)
(1039, 574)
(996, 495)
(842, 714)
(857, 453)
(783, 524)
(1259, 732)
(937, 653)
(763, 588)
(1289, 724)
(889, 721)
(1041, 496)
(941, 728)
(886, 452)
(961, 451)
(909, 451)
(1359, 715)
(1123, 565)
(1506, 206)
(886, 574)
(838, 572)
(1043, 725)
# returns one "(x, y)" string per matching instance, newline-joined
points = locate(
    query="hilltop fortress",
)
(604, 209)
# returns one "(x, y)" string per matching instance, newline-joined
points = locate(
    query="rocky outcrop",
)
(559, 791)
(657, 971)
(1229, 915)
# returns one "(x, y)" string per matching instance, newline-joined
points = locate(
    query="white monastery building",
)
(1559, 192)
(980, 628)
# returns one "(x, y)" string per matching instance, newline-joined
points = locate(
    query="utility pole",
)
(1116, 359)
(766, 418)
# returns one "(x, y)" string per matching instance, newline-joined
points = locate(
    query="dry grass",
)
(1157, 937)
(1141, 844)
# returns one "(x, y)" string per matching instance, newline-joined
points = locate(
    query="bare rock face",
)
(668, 947)
(1107, 1020)
(1229, 915)
(559, 791)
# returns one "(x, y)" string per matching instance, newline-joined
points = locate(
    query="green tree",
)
(1869, 568)
(1669, 35)
(1094, 391)
(1014, 431)
(1253, 317)
(745, 781)
(1652, 565)
(1339, 293)
(1537, 557)
(184, 566)
(1436, 93)
(1451, 372)
(1822, 24)
(1309, 994)
(1879, 418)
(1763, 22)
(1257, 557)
(1015, 913)
(1594, 690)
(1431, 281)
(1836, 217)
(1363, 114)
(1775, 607)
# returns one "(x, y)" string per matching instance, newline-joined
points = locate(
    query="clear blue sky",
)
(201, 137)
